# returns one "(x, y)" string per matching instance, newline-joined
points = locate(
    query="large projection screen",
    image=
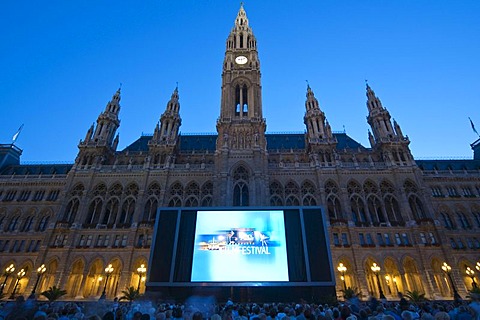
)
(240, 246)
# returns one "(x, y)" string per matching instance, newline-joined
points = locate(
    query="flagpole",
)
(473, 127)
(15, 136)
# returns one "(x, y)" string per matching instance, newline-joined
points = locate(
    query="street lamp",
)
(376, 269)
(141, 271)
(342, 269)
(387, 280)
(20, 275)
(477, 266)
(448, 270)
(395, 283)
(471, 274)
(40, 271)
(108, 271)
(8, 271)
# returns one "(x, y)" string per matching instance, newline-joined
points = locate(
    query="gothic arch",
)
(375, 209)
(94, 211)
(359, 213)
(100, 190)
(71, 210)
(353, 187)
(127, 211)
(308, 190)
(412, 275)
(417, 207)
(444, 215)
(241, 178)
(441, 280)
(132, 189)
(77, 190)
(75, 277)
(386, 187)
(370, 187)
(276, 193)
(207, 194)
(43, 219)
(115, 190)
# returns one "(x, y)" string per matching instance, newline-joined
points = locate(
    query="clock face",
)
(241, 60)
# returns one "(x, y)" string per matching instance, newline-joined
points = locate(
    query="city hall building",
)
(380, 207)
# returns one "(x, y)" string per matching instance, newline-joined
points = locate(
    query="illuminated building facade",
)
(406, 216)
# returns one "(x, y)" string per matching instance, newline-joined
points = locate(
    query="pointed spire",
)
(241, 22)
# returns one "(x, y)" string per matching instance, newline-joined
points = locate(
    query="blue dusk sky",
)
(61, 62)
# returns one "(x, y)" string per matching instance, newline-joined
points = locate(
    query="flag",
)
(473, 126)
(15, 136)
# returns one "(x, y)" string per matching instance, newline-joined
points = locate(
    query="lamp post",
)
(108, 272)
(342, 269)
(141, 271)
(395, 283)
(8, 271)
(40, 271)
(387, 280)
(471, 274)
(20, 275)
(448, 270)
(376, 269)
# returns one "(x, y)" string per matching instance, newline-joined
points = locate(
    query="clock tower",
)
(241, 143)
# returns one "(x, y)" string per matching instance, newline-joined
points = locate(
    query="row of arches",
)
(32, 220)
(397, 277)
(458, 216)
(370, 203)
(82, 279)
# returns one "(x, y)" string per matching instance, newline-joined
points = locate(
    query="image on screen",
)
(233, 246)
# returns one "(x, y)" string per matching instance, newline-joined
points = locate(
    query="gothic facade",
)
(383, 206)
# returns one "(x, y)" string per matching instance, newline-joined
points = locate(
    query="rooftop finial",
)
(308, 84)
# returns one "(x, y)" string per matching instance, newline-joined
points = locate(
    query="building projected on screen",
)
(233, 246)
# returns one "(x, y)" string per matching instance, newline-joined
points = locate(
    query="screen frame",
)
(172, 283)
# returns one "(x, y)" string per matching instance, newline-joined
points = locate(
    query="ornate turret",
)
(318, 128)
(386, 137)
(165, 136)
(100, 142)
(320, 140)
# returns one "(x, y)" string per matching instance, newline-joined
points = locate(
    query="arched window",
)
(128, 209)
(191, 202)
(309, 200)
(416, 207)
(463, 220)
(175, 201)
(111, 211)
(150, 211)
(192, 193)
(358, 209)
(276, 201)
(71, 210)
(393, 209)
(12, 226)
(207, 194)
(27, 225)
(240, 190)
(42, 225)
(94, 212)
(447, 221)
(276, 194)
(375, 209)
(333, 207)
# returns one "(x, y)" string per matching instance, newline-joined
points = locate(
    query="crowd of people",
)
(199, 308)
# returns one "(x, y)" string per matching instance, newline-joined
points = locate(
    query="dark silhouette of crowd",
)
(200, 308)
